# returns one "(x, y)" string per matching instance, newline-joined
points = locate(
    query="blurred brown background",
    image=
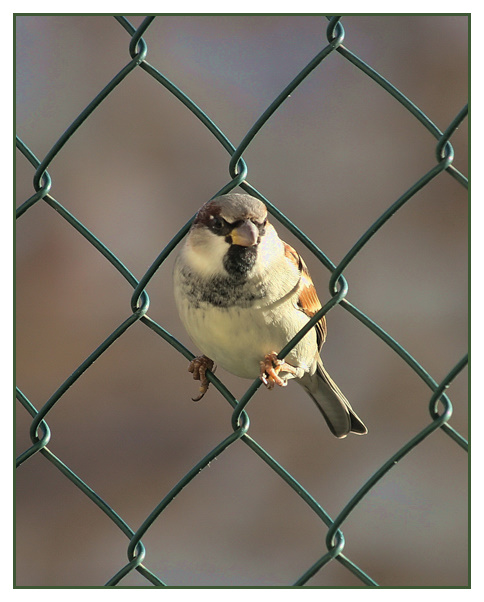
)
(332, 158)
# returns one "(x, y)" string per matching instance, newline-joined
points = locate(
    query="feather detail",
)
(308, 301)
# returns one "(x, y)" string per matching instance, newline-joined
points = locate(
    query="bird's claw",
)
(270, 367)
(198, 367)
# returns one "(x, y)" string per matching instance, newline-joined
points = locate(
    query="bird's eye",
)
(217, 224)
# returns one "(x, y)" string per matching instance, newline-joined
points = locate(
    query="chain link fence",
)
(198, 495)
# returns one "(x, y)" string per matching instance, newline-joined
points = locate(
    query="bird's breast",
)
(238, 338)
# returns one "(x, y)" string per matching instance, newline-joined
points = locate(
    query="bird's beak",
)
(245, 235)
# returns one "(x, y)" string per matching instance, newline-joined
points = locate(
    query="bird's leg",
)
(199, 366)
(270, 367)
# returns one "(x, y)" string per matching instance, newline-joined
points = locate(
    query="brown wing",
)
(308, 300)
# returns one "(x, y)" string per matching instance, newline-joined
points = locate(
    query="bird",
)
(242, 294)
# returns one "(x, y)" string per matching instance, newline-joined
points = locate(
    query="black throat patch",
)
(240, 260)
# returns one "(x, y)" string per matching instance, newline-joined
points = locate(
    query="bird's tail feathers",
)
(334, 406)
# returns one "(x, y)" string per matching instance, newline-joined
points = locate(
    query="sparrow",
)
(242, 294)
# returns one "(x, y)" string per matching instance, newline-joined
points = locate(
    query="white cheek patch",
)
(205, 254)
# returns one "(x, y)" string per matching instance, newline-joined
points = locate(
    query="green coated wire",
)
(90, 493)
(403, 451)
